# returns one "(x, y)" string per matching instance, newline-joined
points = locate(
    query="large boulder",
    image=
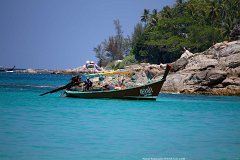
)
(177, 81)
(231, 61)
(210, 77)
(198, 77)
(231, 81)
(215, 77)
(152, 73)
(215, 71)
(201, 62)
(155, 72)
(186, 54)
(233, 71)
(224, 49)
(179, 64)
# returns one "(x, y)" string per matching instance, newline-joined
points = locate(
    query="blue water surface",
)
(53, 127)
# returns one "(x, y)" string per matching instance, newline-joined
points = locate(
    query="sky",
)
(61, 34)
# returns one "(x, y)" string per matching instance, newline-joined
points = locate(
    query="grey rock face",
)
(215, 77)
(179, 64)
(215, 71)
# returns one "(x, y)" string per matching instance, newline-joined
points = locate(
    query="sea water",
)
(52, 127)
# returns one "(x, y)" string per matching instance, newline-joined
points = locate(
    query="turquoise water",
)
(53, 127)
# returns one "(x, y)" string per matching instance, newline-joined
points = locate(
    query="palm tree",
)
(145, 16)
(166, 12)
(179, 1)
(153, 18)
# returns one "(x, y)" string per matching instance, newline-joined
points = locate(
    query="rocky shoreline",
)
(215, 71)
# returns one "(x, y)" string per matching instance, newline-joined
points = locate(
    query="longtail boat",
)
(148, 91)
(7, 69)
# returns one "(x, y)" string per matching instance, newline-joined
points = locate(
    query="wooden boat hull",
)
(145, 92)
(148, 91)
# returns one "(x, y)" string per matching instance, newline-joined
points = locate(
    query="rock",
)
(219, 86)
(135, 67)
(163, 66)
(201, 62)
(224, 49)
(233, 87)
(141, 77)
(34, 71)
(179, 64)
(215, 71)
(215, 77)
(201, 88)
(152, 73)
(177, 81)
(187, 91)
(30, 71)
(144, 64)
(233, 61)
(186, 54)
(228, 81)
(231, 81)
(234, 71)
(199, 77)
(225, 91)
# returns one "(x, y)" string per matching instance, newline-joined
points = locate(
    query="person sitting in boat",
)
(88, 85)
(107, 87)
(75, 79)
(121, 85)
(134, 78)
(76, 83)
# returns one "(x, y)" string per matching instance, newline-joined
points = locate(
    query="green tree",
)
(137, 33)
(194, 24)
(101, 55)
(145, 16)
(153, 19)
(114, 48)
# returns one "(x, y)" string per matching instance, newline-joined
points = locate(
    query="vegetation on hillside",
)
(115, 48)
(162, 35)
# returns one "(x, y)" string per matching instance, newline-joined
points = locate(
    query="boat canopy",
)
(100, 74)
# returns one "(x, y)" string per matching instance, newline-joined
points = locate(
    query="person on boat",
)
(134, 78)
(122, 82)
(121, 85)
(76, 84)
(107, 87)
(88, 85)
(75, 81)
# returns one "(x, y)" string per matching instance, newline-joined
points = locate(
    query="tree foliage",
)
(192, 24)
(114, 48)
(195, 24)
